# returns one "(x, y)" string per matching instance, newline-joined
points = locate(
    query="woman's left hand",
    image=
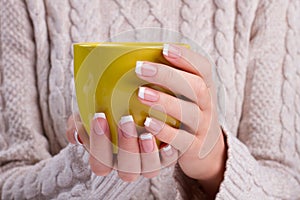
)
(201, 146)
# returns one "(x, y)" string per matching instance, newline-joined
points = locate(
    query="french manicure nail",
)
(138, 67)
(147, 142)
(147, 94)
(77, 138)
(147, 121)
(126, 119)
(145, 69)
(97, 126)
(171, 51)
(99, 115)
(154, 125)
(127, 129)
(168, 150)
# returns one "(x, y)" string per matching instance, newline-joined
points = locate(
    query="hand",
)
(136, 155)
(201, 143)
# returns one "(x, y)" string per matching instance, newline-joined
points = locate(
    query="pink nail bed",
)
(97, 127)
(145, 69)
(127, 126)
(154, 125)
(148, 94)
(147, 142)
(168, 150)
(171, 51)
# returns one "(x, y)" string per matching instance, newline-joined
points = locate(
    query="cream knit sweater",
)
(255, 45)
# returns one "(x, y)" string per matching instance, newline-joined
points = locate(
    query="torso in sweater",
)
(255, 47)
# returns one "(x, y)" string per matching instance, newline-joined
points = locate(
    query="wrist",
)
(211, 180)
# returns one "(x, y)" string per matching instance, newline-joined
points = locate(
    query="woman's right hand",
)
(137, 155)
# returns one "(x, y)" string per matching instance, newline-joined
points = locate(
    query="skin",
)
(198, 147)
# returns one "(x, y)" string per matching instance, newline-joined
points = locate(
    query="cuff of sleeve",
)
(187, 188)
(238, 170)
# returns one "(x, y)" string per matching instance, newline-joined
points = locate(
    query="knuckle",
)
(128, 177)
(206, 64)
(201, 86)
(195, 116)
(126, 148)
(151, 174)
(100, 171)
(70, 119)
(201, 89)
(165, 135)
(70, 136)
(167, 74)
(204, 67)
(98, 168)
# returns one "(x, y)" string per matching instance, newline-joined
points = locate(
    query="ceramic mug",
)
(105, 81)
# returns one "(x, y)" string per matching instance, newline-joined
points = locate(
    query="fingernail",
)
(77, 138)
(168, 150)
(171, 51)
(126, 127)
(126, 119)
(153, 124)
(147, 142)
(99, 115)
(145, 69)
(98, 126)
(148, 94)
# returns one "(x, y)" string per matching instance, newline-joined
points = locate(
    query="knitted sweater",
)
(255, 46)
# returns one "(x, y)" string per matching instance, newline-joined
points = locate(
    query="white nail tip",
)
(141, 93)
(166, 49)
(147, 121)
(147, 136)
(99, 115)
(167, 148)
(138, 67)
(76, 137)
(126, 119)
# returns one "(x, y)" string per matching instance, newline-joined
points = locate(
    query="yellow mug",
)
(105, 81)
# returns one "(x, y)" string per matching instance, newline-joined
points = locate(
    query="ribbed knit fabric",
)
(256, 48)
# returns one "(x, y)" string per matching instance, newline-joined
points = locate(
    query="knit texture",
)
(256, 49)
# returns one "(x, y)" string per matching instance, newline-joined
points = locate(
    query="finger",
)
(169, 156)
(101, 156)
(191, 86)
(73, 119)
(186, 112)
(74, 124)
(179, 139)
(71, 128)
(129, 161)
(189, 60)
(149, 156)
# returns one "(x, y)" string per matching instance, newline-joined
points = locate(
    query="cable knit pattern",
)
(198, 15)
(42, 66)
(20, 116)
(267, 91)
(60, 59)
(243, 20)
(223, 40)
(290, 87)
(255, 46)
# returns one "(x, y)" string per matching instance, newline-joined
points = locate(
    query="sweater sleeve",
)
(263, 162)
